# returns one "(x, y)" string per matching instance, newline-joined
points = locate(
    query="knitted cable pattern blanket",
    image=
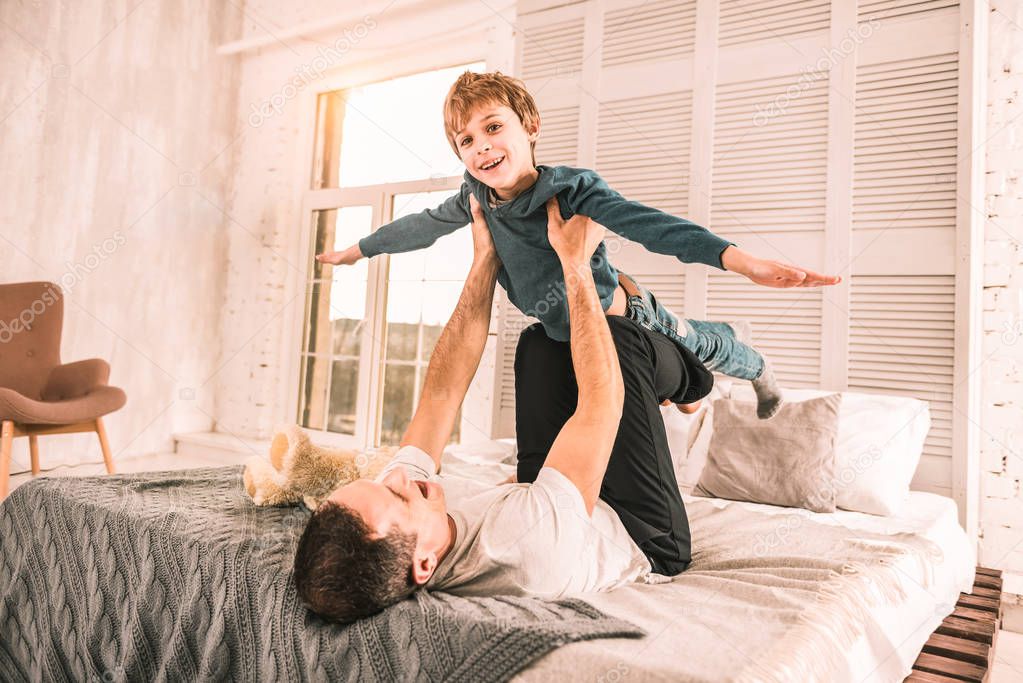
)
(178, 576)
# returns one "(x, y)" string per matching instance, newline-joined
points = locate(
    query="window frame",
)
(369, 405)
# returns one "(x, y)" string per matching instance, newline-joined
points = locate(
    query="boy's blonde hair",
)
(471, 90)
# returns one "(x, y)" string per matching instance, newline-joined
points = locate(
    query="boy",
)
(492, 124)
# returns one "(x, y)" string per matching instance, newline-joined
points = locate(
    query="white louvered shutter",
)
(634, 33)
(901, 342)
(883, 10)
(736, 114)
(749, 21)
(902, 308)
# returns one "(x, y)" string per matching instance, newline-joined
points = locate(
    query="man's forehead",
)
(372, 500)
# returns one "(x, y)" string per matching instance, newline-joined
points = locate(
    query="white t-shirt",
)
(526, 539)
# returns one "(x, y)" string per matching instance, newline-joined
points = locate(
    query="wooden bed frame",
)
(963, 647)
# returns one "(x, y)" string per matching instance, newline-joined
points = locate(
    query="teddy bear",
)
(300, 471)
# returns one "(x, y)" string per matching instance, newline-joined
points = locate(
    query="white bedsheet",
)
(884, 651)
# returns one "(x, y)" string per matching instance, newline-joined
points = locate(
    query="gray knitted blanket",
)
(178, 576)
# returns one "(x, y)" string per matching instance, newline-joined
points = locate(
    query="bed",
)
(759, 602)
(713, 623)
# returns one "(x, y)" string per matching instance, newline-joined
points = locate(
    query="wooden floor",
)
(963, 647)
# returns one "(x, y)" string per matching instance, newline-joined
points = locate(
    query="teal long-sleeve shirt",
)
(531, 272)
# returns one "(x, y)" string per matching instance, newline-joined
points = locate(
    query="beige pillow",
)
(788, 460)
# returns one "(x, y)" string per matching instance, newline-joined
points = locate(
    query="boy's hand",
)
(482, 240)
(575, 239)
(773, 273)
(345, 257)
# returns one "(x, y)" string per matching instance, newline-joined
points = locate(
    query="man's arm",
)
(663, 233)
(408, 233)
(457, 355)
(583, 446)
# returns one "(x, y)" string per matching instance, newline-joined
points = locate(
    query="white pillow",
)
(682, 430)
(687, 439)
(880, 440)
(697, 460)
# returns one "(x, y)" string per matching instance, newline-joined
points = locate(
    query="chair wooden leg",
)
(6, 441)
(104, 445)
(33, 449)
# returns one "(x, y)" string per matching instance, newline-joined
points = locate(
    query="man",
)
(596, 505)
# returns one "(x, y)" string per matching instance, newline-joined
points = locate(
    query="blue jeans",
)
(713, 343)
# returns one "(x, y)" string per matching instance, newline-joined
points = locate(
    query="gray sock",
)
(769, 398)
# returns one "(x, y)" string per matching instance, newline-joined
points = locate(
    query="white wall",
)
(112, 117)
(270, 173)
(1001, 511)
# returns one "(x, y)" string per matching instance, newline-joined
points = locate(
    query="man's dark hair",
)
(342, 573)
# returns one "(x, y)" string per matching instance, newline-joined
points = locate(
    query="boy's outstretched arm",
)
(408, 233)
(663, 233)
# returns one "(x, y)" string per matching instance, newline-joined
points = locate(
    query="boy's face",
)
(494, 133)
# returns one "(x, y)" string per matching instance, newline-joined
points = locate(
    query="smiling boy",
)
(492, 124)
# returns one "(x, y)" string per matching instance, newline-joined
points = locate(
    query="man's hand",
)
(773, 273)
(345, 257)
(573, 240)
(482, 240)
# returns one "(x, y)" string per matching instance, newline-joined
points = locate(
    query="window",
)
(335, 312)
(370, 328)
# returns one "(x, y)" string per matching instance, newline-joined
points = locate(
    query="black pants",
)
(640, 482)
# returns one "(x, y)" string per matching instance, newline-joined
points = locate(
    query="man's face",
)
(494, 132)
(409, 505)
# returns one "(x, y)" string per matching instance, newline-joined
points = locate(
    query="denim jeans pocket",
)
(645, 310)
(637, 310)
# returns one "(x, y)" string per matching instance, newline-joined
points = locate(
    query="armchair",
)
(38, 394)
